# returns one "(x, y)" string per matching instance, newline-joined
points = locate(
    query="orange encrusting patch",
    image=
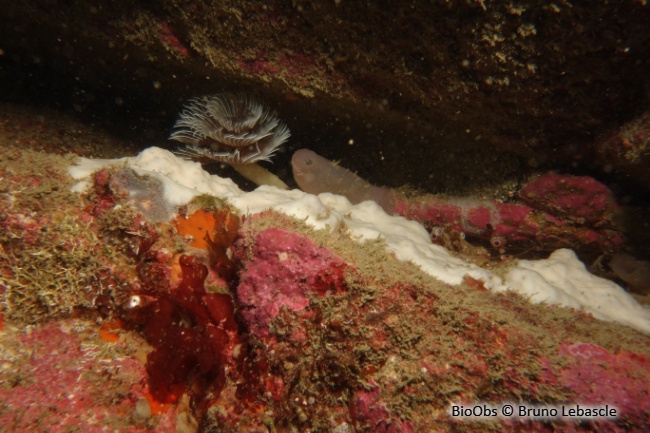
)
(106, 331)
(155, 406)
(196, 227)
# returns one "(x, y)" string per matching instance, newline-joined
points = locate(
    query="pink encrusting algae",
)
(352, 351)
(298, 264)
(555, 211)
(580, 199)
(265, 324)
(63, 376)
(518, 224)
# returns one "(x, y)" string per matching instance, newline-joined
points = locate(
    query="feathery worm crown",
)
(228, 127)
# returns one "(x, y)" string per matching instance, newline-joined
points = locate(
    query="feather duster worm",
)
(232, 128)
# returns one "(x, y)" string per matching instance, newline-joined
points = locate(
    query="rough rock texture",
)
(628, 149)
(550, 212)
(390, 356)
(511, 226)
(325, 334)
(62, 376)
(612, 372)
(448, 96)
(300, 267)
(402, 92)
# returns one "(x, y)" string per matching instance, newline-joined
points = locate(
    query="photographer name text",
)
(528, 412)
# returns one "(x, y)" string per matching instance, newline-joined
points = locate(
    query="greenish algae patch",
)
(50, 259)
(58, 256)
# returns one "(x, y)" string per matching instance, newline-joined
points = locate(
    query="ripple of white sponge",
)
(559, 280)
(562, 279)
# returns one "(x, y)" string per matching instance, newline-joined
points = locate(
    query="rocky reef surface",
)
(503, 257)
(120, 314)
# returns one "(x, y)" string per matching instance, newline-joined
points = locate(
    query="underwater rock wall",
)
(284, 320)
(220, 320)
(401, 93)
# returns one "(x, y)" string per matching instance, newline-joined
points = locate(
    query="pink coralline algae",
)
(368, 408)
(556, 211)
(62, 383)
(516, 224)
(258, 67)
(579, 199)
(328, 352)
(286, 285)
(287, 268)
(598, 377)
(316, 341)
(621, 379)
(169, 39)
